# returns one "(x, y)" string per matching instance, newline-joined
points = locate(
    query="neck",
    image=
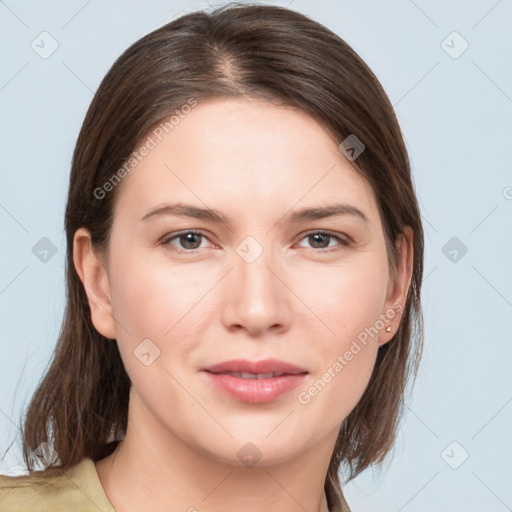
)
(147, 473)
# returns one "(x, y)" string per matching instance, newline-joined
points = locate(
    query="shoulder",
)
(75, 489)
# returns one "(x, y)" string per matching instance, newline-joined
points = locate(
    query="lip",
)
(255, 390)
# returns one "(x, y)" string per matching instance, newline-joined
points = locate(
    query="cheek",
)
(334, 392)
(153, 298)
(154, 304)
(346, 299)
(345, 359)
(349, 303)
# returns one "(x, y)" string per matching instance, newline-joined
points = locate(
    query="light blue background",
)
(456, 117)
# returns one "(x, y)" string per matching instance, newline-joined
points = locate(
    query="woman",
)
(244, 263)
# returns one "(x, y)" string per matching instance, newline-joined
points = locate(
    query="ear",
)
(95, 279)
(399, 286)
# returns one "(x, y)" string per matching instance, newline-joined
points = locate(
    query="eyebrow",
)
(187, 210)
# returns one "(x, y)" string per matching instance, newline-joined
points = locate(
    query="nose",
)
(256, 297)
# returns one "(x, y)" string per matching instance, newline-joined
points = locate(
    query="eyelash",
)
(166, 241)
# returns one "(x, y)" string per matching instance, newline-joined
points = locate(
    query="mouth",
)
(255, 381)
(247, 375)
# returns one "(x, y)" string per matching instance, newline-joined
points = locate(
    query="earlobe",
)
(399, 287)
(95, 280)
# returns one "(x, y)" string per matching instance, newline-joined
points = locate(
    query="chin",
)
(257, 451)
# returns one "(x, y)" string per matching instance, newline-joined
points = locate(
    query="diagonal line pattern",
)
(280, 423)
(113, 317)
(13, 13)
(301, 300)
(217, 486)
(284, 489)
(422, 420)
(424, 13)
(430, 273)
(198, 301)
(485, 15)
(8, 417)
(491, 80)
(14, 218)
(490, 284)
(77, 76)
(199, 403)
(82, 491)
(492, 211)
(75, 15)
(12, 280)
(285, 284)
(407, 503)
(508, 508)
(416, 84)
(18, 482)
(14, 76)
(227, 225)
(485, 425)
(430, 224)
(425, 219)
(312, 187)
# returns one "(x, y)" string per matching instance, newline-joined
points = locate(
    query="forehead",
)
(245, 154)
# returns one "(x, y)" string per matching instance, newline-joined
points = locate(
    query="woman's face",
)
(263, 283)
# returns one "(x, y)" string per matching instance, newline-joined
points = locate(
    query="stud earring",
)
(388, 328)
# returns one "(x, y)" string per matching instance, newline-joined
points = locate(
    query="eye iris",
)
(193, 240)
(188, 238)
(319, 238)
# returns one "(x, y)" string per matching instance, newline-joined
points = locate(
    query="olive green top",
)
(77, 489)
(72, 490)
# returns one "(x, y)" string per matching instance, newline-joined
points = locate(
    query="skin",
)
(299, 301)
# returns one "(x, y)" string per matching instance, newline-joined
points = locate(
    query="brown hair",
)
(251, 51)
